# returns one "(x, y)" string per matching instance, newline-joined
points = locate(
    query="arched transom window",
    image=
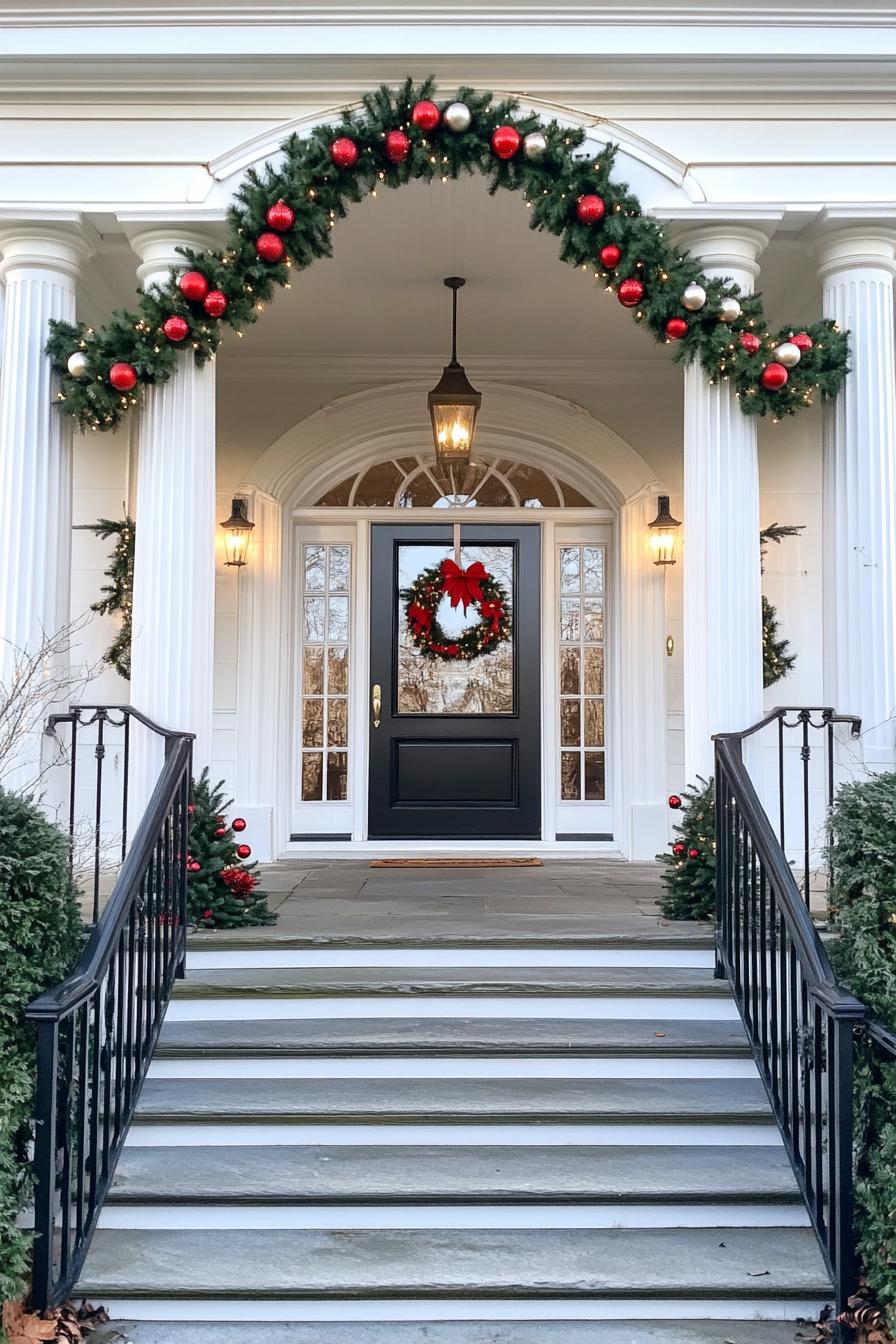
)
(417, 483)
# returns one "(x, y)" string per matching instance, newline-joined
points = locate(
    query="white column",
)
(722, 653)
(40, 265)
(172, 656)
(857, 266)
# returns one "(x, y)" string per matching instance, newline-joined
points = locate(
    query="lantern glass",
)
(237, 531)
(454, 402)
(663, 531)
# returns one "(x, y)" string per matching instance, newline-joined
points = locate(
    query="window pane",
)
(594, 618)
(570, 683)
(569, 723)
(314, 569)
(337, 630)
(594, 671)
(570, 619)
(339, 566)
(533, 487)
(337, 776)
(570, 784)
(337, 723)
(313, 723)
(595, 783)
(594, 723)
(313, 671)
(312, 776)
(593, 569)
(378, 486)
(314, 620)
(570, 569)
(337, 671)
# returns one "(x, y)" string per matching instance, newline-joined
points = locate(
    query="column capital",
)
(61, 246)
(726, 247)
(156, 245)
(856, 247)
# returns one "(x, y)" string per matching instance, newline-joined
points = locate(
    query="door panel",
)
(457, 749)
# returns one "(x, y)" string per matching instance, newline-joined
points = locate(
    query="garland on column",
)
(283, 216)
(777, 658)
(120, 591)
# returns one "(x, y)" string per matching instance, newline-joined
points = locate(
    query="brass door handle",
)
(376, 702)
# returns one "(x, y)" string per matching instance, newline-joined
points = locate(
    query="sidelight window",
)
(581, 681)
(325, 599)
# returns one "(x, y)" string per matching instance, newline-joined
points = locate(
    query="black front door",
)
(455, 744)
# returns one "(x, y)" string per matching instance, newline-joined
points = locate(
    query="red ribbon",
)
(419, 616)
(463, 586)
(492, 611)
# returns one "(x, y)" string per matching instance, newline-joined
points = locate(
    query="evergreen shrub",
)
(689, 878)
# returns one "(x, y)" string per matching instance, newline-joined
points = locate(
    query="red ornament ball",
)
(678, 849)
(590, 209)
(630, 293)
(123, 377)
(750, 342)
(676, 328)
(344, 152)
(244, 851)
(193, 866)
(425, 115)
(693, 853)
(238, 824)
(193, 285)
(270, 247)
(398, 146)
(610, 255)
(215, 303)
(206, 914)
(175, 328)
(774, 376)
(280, 216)
(191, 808)
(220, 831)
(803, 341)
(674, 801)
(506, 140)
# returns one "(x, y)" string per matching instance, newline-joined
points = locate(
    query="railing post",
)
(42, 1275)
(721, 862)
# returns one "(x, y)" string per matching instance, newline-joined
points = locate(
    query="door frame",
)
(359, 720)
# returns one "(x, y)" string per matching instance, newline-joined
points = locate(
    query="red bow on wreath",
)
(463, 586)
(421, 617)
(492, 611)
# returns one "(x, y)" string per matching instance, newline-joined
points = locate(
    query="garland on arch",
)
(473, 586)
(283, 216)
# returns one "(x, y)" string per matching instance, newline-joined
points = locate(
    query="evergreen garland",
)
(777, 659)
(307, 180)
(689, 878)
(221, 889)
(120, 591)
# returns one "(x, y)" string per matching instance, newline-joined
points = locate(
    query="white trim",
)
(580, 1007)
(458, 958)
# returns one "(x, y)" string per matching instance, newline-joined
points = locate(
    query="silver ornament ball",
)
(457, 117)
(694, 297)
(729, 310)
(77, 364)
(534, 145)
(787, 354)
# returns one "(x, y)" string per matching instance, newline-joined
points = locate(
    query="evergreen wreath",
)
(283, 217)
(473, 586)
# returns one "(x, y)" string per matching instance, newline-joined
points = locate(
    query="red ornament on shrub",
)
(610, 255)
(630, 293)
(693, 853)
(280, 216)
(175, 328)
(244, 851)
(506, 140)
(238, 824)
(676, 328)
(220, 831)
(270, 247)
(802, 340)
(344, 152)
(750, 342)
(425, 115)
(123, 377)
(674, 801)
(590, 209)
(773, 376)
(215, 303)
(398, 146)
(193, 285)
(194, 867)
(678, 849)
(206, 914)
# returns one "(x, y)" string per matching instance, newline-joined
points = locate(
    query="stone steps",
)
(452, 1332)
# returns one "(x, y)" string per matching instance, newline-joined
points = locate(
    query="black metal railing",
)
(97, 1030)
(801, 1023)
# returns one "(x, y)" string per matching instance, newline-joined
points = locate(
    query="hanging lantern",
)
(662, 533)
(454, 402)
(237, 530)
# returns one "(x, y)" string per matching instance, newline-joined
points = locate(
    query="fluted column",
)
(40, 265)
(857, 268)
(172, 656)
(722, 655)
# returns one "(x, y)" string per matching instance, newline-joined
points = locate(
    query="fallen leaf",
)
(757, 1273)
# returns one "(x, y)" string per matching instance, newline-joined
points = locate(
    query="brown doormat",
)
(457, 863)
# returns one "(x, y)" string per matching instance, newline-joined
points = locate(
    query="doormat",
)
(457, 863)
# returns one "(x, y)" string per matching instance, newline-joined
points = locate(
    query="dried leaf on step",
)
(91, 1317)
(757, 1273)
(23, 1327)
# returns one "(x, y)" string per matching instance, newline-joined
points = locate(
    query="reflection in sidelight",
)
(325, 578)
(581, 579)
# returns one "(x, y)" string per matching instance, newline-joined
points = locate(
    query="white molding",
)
(419, 368)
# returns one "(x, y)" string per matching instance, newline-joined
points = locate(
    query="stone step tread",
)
(452, 1332)
(280, 1037)
(443, 1100)
(316, 982)
(656, 1263)
(448, 930)
(491, 1174)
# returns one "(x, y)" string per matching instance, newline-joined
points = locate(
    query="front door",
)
(455, 698)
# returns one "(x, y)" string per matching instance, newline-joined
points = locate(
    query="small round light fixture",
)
(454, 402)
(237, 530)
(662, 533)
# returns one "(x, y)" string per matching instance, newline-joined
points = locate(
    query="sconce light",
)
(662, 533)
(237, 530)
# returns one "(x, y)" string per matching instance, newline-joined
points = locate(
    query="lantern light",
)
(662, 533)
(237, 530)
(453, 403)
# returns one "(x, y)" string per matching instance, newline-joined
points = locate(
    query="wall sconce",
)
(662, 533)
(237, 530)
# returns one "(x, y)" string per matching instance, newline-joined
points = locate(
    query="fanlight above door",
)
(414, 482)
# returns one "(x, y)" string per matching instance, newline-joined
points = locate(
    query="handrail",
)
(74, 711)
(96, 1031)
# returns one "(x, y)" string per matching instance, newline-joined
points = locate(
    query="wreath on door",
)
(471, 587)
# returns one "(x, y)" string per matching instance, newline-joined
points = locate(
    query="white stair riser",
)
(467, 1309)
(452, 1066)
(447, 1006)
(516, 1135)
(474, 1217)
(448, 958)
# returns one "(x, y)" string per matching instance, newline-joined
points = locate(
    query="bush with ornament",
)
(222, 889)
(689, 878)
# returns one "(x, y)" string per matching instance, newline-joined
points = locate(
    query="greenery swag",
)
(473, 586)
(119, 592)
(777, 657)
(283, 216)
